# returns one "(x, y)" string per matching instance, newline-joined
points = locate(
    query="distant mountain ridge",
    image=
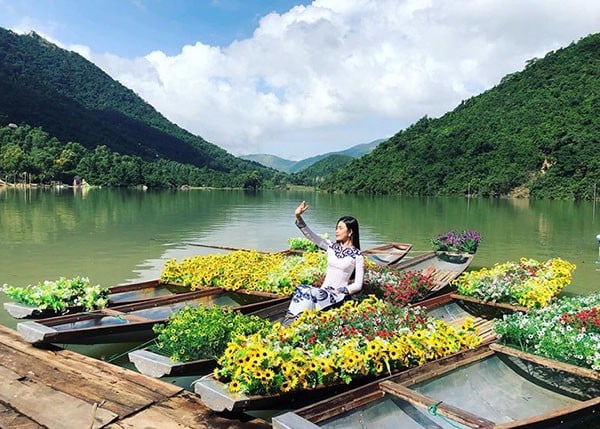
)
(288, 166)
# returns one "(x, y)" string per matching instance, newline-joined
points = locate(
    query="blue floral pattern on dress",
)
(341, 251)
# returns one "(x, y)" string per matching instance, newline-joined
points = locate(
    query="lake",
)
(121, 236)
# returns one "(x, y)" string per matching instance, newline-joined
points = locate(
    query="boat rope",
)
(432, 410)
(114, 357)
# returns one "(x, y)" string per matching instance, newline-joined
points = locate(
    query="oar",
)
(211, 246)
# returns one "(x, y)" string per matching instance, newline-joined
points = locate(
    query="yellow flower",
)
(234, 386)
(314, 366)
(286, 386)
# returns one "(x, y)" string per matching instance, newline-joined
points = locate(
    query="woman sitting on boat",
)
(343, 259)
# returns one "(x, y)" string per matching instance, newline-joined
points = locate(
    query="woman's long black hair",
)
(352, 225)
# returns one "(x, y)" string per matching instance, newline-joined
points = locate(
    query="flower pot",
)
(454, 257)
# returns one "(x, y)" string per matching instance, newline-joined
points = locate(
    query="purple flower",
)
(457, 241)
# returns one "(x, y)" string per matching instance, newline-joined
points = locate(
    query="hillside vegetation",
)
(30, 155)
(72, 100)
(535, 134)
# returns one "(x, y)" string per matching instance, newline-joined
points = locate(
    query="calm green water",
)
(120, 236)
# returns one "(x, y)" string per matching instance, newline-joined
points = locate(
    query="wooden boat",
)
(153, 364)
(491, 386)
(442, 272)
(117, 295)
(440, 269)
(156, 365)
(216, 396)
(134, 322)
(487, 309)
(387, 254)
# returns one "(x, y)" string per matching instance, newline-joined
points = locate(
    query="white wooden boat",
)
(492, 387)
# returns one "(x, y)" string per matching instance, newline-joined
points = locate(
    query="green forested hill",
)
(74, 101)
(536, 133)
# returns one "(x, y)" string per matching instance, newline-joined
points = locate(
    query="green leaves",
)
(60, 294)
(203, 332)
(302, 243)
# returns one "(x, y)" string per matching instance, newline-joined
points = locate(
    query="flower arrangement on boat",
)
(356, 340)
(567, 330)
(203, 332)
(456, 241)
(397, 288)
(59, 295)
(250, 270)
(529, 283)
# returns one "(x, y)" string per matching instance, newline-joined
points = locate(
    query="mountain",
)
(313, 174)
(536, 134)
(272, 161)
(74, 101)
(287, 166)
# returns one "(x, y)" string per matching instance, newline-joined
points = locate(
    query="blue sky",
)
(299, 78)
(131, 28)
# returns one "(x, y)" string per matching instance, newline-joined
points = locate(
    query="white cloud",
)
(336, 73)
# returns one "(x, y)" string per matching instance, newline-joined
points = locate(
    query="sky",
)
(299, 78)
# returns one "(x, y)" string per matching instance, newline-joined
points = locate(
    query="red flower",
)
(584, 320)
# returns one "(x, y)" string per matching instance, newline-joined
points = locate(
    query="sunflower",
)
(234, 386)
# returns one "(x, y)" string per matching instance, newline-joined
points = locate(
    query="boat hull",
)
(216, 396)
(473, 389)
(134, 322)
(156, 365)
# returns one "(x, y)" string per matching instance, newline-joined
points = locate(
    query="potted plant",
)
(195, 333)
(304, 244)
(456, 243)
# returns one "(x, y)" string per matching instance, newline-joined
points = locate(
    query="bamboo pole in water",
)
(210, 246)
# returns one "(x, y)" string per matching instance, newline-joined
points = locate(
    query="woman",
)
(343, 258)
